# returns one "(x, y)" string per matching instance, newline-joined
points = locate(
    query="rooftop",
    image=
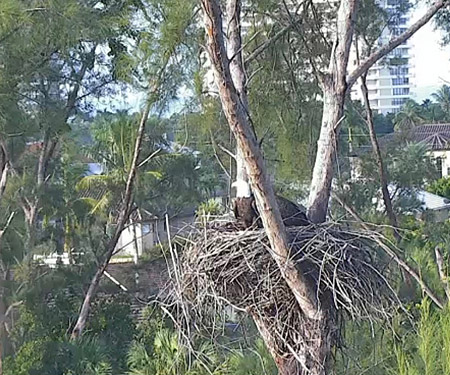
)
(435, 136)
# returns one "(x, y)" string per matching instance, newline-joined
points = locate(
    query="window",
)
(401, 91)
(400, 81)
(398, 101)
(146, 229)
(396, 31)
(399, 52)
(438, 161)
(392, 2)
(398, 70)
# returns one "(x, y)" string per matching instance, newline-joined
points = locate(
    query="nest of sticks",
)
(221, 266)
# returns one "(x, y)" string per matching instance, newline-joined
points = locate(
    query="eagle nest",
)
(221, 266)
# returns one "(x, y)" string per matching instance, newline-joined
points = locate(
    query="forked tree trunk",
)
(122, 220)
(240, 123)
(335, 84)
(334, 87)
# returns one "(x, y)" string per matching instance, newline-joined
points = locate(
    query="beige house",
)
(436, 137)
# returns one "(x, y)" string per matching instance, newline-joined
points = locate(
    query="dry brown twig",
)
(221, 266)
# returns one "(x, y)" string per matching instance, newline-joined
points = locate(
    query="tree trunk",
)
(122, 220)
(238, 76)
(5, 339)
(378, 158)
(335, 85)
(240, 123)
(319, 194)
(241, 127)
(314, 360)
(68, 238)
(135, 243)
(334, 88)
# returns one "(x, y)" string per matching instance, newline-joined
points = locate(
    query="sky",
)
(431, 60)
(431, 63)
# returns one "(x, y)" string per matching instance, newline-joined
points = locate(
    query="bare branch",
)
(395, 42)
(261, 48)
(123, 217)
(425, 288)
(213, 142)
(150, 157)
(8, 223)
(441, 270)
(227, 151)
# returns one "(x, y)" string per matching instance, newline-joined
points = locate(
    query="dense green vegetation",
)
(66, 68)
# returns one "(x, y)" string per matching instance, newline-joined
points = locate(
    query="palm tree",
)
(442, 97)
(432, 112)
(114, 138)
(409, 116)
(168, 357)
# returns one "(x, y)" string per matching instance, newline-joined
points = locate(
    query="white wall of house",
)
(444, 155)
(148, 235)
(126, 245)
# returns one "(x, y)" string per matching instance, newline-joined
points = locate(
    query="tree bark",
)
(241, 127)
(238, 76)
(378, 158)
(320, 188)
(335, 85)
(308, 361)
(334, 88)
(286, 364)
(122, 220)
(30, 212)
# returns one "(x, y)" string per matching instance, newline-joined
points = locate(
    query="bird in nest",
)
(247, 215)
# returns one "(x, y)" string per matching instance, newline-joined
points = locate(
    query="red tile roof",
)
(436, 136)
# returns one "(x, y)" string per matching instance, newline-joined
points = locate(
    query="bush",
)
(441, 187)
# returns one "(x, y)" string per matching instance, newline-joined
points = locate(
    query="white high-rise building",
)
(390, 81)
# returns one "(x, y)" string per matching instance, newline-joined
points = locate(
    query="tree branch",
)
(261, 48)
(376, 151)
(395, 42)
(240, 123)
(427, 290)
(227, 151)
(123, 218)
(441, 270)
